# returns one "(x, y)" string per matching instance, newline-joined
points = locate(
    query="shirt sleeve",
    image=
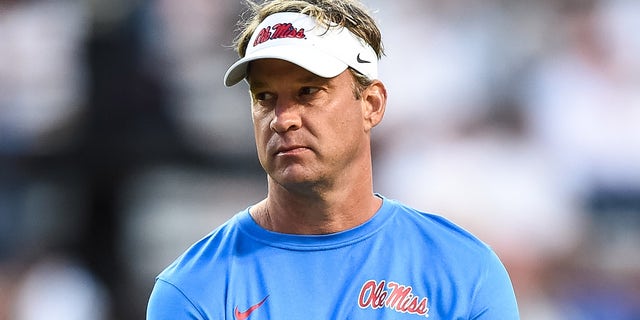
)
(495, 298)
(167, 302)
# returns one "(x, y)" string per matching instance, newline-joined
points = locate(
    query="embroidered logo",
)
(245, 314)
(279, 31)
(393, 296)
(360, 60)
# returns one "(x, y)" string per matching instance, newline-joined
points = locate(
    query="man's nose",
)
(287, 116)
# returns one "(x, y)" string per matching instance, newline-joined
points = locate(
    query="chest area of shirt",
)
(359, 299)
(371, 280)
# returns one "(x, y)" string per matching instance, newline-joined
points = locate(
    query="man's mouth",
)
(291, 150)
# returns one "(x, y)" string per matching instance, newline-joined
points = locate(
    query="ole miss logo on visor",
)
(279, 31)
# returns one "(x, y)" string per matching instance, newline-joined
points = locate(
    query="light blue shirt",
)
(401, 264)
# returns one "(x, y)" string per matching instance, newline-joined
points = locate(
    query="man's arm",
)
(495, 298)
(167, 302)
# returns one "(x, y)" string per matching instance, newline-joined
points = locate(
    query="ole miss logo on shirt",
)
(279, 31)
(393, 296)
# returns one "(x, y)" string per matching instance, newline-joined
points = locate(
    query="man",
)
(323, 245)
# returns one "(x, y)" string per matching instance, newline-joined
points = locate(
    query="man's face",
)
(309, 130)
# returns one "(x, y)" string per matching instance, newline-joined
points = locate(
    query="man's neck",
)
(315, 213)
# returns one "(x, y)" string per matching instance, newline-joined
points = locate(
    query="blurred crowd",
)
(120, 146)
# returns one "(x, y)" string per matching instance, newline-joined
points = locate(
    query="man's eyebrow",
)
(257, 84)
(253, 85)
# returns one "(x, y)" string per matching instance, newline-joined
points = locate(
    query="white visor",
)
(299, 39)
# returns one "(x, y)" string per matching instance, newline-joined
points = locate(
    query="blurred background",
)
(119, 145)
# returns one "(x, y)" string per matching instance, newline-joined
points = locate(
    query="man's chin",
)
(298, 183)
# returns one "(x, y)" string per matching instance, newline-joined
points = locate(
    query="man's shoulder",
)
(209, 254)
(458, 250)
(437, 229)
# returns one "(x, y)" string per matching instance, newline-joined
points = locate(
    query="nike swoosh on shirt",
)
(244, 315)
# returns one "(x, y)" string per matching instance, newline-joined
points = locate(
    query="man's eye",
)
(262, 96)
(308, 90)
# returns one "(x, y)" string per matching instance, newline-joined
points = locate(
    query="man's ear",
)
(374, 99)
